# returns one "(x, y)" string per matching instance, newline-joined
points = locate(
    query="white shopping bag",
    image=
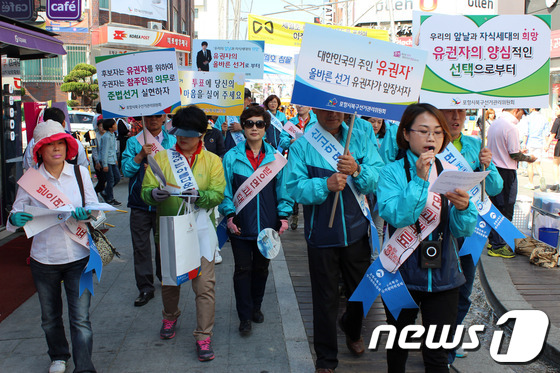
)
(179, 248)
(207, 238)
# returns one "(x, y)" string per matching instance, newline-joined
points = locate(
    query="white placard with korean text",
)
(233, 56)
(137, 84)
(351, 73)
(486, 61)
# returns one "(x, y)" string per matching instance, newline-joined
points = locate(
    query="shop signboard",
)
(486, 61)
(21, 10)
(64, 10)
(216, 93)
(355, 74)
(152, 9)
(138, 84)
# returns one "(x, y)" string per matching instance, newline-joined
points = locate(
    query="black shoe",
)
(245, 327)
(258, 316)
(143, 299)
(114, 202)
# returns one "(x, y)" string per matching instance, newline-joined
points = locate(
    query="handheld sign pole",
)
(144, 131)
(482, 145)
(350, 127)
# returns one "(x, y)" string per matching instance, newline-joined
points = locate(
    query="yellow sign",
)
(284, 32)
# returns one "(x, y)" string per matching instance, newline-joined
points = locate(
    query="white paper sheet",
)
(44, 218)
(449, 180)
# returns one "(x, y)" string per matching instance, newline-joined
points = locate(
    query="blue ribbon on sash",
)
(473, 244)
(391, 286)
(221, 232)
(492, 218)
(94, 264)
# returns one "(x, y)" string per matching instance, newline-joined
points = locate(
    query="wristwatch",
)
(357, 172)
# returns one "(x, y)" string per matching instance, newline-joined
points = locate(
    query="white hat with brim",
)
(49, 131)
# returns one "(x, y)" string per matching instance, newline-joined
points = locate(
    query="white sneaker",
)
(217, 257)
(58, 366)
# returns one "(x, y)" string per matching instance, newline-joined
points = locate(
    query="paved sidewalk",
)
(126, 338)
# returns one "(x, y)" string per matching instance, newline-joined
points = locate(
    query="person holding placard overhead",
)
(58, 254)
(317, 171)
(255, 199)
(273, 132)
(143, 218)
(189, 124)
(429, 265)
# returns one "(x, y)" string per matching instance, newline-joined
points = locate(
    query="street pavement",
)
(126, 338)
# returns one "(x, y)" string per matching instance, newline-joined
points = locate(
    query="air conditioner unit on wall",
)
(155, 25)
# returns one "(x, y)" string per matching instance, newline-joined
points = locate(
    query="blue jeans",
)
(47, 280)
(113, 178)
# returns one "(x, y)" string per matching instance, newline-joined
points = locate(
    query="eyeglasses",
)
(438, 134)
(259, 123)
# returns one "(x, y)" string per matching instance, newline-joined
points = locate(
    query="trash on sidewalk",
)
(539, 253)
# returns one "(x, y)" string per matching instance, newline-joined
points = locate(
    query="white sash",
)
(156, 146)
(405, 240)
(330, 149)
(34, 183)
(257, 181)
(181, 170)
(237, 137)
(452, 156)
(292, 129)
(275, 121)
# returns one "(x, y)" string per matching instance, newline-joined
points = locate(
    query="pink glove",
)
(283, 226)
(232, 227)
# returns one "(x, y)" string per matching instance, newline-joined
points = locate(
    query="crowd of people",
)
(389, 166)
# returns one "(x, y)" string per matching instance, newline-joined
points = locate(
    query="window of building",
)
(104, 4)
(54, 69)
(184, 27)
(195, 12)
(175, 20)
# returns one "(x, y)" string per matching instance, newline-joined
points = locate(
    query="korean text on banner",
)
(234, 56)
(290, 33)
(352, 73)
(486, 61)
(215, 93)
(136, 84)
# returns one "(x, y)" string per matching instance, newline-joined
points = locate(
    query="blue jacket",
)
(272, 134)
(267, 207)
(307, 184)
(400, 203)
(471, 148)
(389, 147)
(286, 138)
(135, 172)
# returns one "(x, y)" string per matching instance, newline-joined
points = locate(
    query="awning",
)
(25, 42)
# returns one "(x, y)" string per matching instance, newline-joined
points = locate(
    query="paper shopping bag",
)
(179, 248)
(207, 238)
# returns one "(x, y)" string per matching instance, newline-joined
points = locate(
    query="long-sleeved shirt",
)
(53, 245)
(108, 154)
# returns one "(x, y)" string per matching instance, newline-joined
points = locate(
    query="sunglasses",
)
(259, 123)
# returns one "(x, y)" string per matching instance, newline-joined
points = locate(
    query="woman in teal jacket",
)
(402, 196)
(268, 209)
(272, 104)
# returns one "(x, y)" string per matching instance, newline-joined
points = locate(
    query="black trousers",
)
(325, 267)
(439, 309)
(141, 223)
(504, 202)
(249, 276)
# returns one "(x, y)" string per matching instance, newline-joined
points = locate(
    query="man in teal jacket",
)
(470, 148)
(142, 216)
(344, 248)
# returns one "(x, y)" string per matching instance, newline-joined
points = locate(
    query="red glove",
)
(232, 227)
(283, 226)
